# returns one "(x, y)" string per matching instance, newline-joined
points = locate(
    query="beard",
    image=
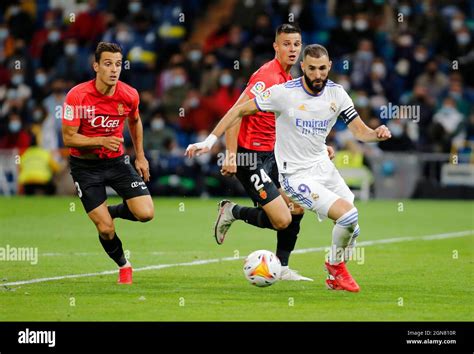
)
(313, 85)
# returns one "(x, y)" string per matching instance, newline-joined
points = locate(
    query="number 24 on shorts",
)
(255, 179)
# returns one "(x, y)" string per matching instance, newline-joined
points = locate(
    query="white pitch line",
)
(226, 259)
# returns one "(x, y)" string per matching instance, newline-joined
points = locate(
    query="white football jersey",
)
(304, 120)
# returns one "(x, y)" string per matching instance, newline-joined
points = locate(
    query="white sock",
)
(342, 233)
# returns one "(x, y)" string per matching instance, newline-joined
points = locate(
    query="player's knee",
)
(106, 230)
(282, 222)
(145, 214)
(349, 219)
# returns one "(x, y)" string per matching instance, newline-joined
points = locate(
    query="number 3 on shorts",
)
(79, 192)
(255, 179)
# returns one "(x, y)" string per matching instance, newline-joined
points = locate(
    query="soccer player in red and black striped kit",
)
(256, 136)
(94, 113)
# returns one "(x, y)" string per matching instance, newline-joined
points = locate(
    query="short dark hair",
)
(106, 47)
(287, 28)
(315, 51)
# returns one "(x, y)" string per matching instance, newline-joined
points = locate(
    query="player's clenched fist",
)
(383, 133)
(112, 142)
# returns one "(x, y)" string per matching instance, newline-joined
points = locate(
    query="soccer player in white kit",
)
(306, 109)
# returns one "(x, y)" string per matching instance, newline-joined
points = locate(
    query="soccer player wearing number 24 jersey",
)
(93, 119)
(306, 109)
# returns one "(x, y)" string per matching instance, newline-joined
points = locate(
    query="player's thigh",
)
(125, 180)
(327, 174)
(294, 207)
(141, 207)
(309, 193)
(89, 183)
(100, 216)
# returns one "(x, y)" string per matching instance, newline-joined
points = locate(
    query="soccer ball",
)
(262, 268)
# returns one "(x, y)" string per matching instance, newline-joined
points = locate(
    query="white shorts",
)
(317, 188)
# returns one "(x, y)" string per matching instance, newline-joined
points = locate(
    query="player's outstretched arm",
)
(72, 138)
(363, 133)
(233, 116)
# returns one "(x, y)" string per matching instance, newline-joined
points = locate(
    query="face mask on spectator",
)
(194, 102)
(396, 129)
(37, 115)
(346, 85)
(405, 10)
(346, 24)
(379, 69)
(14, 10)
(54, 36)
(195, 55)
(420, 57)
(361, 25)
(17, 79)
(178, 81)
(157, 124)
(226, 80)
(402, 67)
(3, 34)
(364, 55)
(41, 79)
(456, 24)
(70, 49)
(14, 126)
(123, 36)
(362, 101)
(405, 41)
(463, 38)
(134, 7)
(455, 95)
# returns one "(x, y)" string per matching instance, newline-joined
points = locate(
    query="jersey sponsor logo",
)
(68, 112)
(258, 88)
(312, 126)
(104, 122)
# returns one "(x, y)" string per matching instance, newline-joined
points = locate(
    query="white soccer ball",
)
(262, 268)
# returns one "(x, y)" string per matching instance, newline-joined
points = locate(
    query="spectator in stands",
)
(37, 169)
(447, 123)
(158, 134)
(17, 136)
(432, 78)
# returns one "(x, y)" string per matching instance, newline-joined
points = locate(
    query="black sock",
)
(287, 239)
(253, 216)
(114, 249)
(121, 211)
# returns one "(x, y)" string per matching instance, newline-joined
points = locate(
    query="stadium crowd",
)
(409, 64)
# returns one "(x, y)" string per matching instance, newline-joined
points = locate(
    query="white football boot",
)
(225, 218)
(292, 275)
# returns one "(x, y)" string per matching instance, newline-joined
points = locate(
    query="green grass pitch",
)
(411, 279)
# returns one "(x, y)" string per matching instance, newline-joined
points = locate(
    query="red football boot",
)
(342, 277)
(125, 275)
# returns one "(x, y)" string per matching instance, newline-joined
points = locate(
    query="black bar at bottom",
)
(222, 337)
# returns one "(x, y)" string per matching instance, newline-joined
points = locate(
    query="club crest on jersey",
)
(333, 107)
(120, 109)
(315, 196)
(258, 88)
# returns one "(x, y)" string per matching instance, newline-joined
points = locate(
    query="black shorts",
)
(92, 176)
(258, 173)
